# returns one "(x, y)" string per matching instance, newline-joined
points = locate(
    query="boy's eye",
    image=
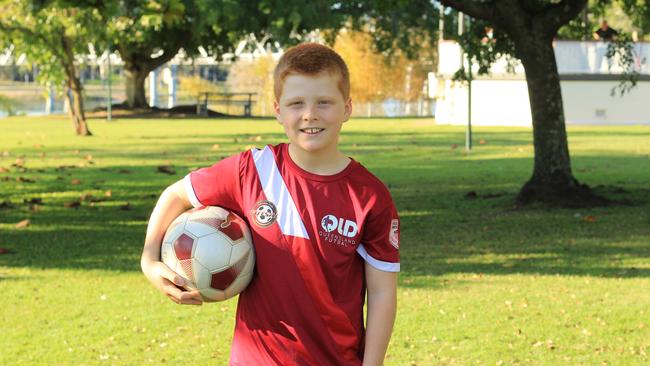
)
(325, 102)
(296, 103)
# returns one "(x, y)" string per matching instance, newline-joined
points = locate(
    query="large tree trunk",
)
(75, 90)
(135, 78)
(552, 180)
(75, 100)
(137, 66)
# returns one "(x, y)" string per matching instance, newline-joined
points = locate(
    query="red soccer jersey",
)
(312, 234)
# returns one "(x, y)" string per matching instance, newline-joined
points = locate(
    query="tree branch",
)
(556, 15)
(24, 30)
(167, 55)
(475, 9)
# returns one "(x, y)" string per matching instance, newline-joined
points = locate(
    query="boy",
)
(325, 230)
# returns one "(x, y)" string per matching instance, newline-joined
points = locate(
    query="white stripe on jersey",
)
(276, 191)
(190, 192)
(380, 265)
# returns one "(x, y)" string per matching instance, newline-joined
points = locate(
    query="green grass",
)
(481, 283)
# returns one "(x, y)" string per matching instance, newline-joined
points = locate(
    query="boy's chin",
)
(311, 147)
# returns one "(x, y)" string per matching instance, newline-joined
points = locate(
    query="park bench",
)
(228, 100)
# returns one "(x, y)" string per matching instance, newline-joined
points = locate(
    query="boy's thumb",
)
(174, 277)
(178, 280)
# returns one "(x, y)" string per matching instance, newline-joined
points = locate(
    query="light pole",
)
(109, 105)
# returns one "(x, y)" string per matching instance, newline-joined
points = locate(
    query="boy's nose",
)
(309, 115)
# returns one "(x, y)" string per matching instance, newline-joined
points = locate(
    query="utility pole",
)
(109, 105)
(468, 132)
(441, 23)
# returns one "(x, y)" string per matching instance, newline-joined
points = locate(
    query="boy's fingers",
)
(183, 297)
(171, 276)
(174, 292)
(191, 298)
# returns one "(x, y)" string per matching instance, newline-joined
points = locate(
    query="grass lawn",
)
(482, 283)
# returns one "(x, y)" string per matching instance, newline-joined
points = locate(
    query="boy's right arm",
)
(172, 202)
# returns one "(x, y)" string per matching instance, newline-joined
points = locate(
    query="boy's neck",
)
(323, 163)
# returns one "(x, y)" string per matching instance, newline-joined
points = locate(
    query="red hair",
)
(311, 59)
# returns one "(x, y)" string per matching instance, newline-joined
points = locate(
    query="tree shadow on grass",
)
(444, 228)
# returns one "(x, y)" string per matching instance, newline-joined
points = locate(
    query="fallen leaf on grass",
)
(24, 180)
(90, 198)
(35, 208)
(166, 169)
(482, 142)
(471, 194)
(75, 182)
(72, 204)
(19, 163)
(6, 204)
(6, 251)
(108, 193)
(454, 146)
(216, 147)
(3, 170)
(22, 224)
(590, 218)
(124, 171)
(6, 153)
(64, 167)
(34, 200)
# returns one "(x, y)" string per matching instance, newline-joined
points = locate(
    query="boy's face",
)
(311, 109)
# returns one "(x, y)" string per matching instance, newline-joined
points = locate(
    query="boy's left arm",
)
(382, 306)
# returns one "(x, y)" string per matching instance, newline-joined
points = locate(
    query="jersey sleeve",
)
(217, 185)
(379, 245)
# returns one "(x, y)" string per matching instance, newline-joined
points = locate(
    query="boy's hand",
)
(169, 283)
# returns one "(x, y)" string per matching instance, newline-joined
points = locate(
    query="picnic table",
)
(244, 100)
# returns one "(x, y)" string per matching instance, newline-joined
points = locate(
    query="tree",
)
(149, 33)
(531, 26)
(51, 34)
(527, 29)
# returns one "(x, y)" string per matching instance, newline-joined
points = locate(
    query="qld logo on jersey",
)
(338, 230)
(264, 213)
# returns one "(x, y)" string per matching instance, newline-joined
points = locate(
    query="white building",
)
(501, 98)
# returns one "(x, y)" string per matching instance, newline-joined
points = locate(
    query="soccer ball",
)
(212, 249)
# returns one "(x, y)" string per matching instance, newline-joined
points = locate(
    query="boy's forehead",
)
(296, 84)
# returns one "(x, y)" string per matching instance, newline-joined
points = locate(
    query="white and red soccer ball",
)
(212, 249)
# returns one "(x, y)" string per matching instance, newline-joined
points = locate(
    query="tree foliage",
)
(148, 33)
(524, 29)
(52, 34)
(375, 76)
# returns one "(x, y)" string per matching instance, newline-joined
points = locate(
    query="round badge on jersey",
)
(264, 213)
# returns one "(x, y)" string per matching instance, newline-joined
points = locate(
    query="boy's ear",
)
(348, 110)
(276, 109)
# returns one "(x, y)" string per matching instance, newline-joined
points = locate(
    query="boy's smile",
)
(311, 131)
(312, 110)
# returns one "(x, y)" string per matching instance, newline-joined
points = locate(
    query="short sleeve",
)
(218, 185)
(380, 240)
